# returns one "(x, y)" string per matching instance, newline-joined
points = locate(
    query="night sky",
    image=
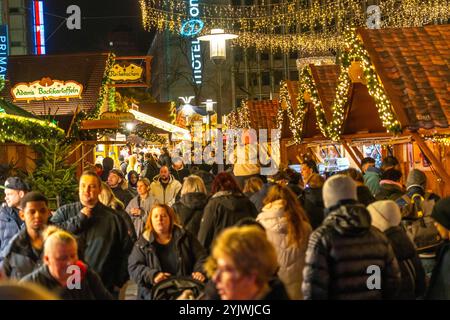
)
(99, 19)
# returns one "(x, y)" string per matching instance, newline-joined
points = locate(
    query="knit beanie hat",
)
(337, 188)
(385, 214)
(441, 212)
(416, 178)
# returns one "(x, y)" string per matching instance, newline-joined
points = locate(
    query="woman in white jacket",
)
(288, 229)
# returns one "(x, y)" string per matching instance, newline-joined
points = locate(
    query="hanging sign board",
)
(121, 116)
(131, 72)
(46, 89)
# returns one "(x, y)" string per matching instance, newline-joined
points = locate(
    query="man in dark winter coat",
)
(151, 169)
(345, 251)
(24, 252)
(386, 217)
(10, 222)
(101, 234)
(116, 181)
(190, 209)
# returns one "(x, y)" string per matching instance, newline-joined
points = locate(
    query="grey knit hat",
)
(337, 188)
(416, 178)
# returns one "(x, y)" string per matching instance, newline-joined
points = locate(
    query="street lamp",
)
(209, 110)
(218, 54)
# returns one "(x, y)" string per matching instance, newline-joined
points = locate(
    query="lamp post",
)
(218, 54)
(210, 110)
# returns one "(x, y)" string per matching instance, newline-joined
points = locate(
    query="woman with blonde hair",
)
(189, 208)
(164, 250)
(288, 229)
(107, 198)
(243, 264)
(252, 185)
(62, 273)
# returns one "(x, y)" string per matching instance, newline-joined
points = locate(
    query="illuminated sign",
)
(132, 72)
(38, 27)
(3, 51)
(191, 28)
(47, 89)
(121, 116)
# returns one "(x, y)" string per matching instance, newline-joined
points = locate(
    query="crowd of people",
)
(354, 235)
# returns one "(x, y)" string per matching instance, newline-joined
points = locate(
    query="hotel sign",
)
(47, 89)
(132, 72)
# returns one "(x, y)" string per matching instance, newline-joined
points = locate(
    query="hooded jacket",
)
(343, 254)
(291, 259)
(412, 272)
(10, 225)
(224, 209)
(167, 195)
(389, 191)
(190, 209)
(103, 238)
(20, 258)
(372, 179)
(91, 287)
(312, 202)
(144, 264)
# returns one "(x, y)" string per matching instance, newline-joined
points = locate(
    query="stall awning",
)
(159, 123)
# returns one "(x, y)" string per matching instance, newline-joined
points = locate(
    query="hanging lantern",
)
(356, 73)
(307, 97)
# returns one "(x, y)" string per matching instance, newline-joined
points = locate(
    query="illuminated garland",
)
(282, 26)
(376, 90)
(244, 116)
(443, 139)
(295, 117)
(27, 130)
(104, 89)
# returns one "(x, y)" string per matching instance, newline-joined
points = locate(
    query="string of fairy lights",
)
(333, 129)
(290, 26)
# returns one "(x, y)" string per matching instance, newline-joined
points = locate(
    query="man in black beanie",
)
(439, 288)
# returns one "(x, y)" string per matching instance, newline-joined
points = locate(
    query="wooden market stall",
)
(391, 88)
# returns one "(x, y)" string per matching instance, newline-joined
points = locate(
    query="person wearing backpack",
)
(439, 288)
(386, 217)
(416, 207)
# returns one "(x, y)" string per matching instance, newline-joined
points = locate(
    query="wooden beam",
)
(358, 153)
(352, 154)
(436, 163)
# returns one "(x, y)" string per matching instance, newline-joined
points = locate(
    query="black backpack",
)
(173, 287)
(417, 222)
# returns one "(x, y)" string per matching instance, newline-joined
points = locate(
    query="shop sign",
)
(47, 89)
(3, 50)
(132, 72)
(121, 116)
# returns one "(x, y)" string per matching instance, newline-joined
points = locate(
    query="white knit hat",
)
(385, 214)
(337, 188)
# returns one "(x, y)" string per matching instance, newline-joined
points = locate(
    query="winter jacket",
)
(123, 195)
(20, 258)
(312, 202)
(91, 287)
(10, 225)
(165, 160)
(416, 190)
(190, 210)
(224, 209)
(364, 195)
(103, 239)
(207, 177)
(412, 272)
(439, 288)
(128, 224)
(291, 259)
(372, 179)
(144, 264)
(150, 170)
(144, 206)
(389, 192)
(341, 253)
(180, 174)
(167, 195)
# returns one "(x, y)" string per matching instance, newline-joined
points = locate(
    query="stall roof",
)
(414, 67)
(263, 114)
(10, 108)
(326, 80)
(87, 69)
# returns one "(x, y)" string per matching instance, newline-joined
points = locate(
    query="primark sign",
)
(3, 51)
(191, 28)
